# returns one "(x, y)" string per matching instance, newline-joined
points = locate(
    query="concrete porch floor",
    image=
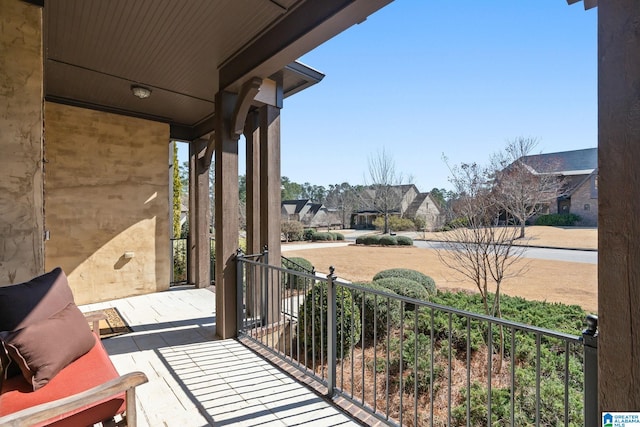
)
(197, 380)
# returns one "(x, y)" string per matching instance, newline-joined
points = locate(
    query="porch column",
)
(199, 269)
(270, 210)
(252, 138)
(226, 190)
(619, 204)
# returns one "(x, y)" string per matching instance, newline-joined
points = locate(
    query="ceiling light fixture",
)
(140, 92)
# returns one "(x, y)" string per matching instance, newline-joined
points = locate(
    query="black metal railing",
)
(412, 362)
(179, 255)
(180, 261)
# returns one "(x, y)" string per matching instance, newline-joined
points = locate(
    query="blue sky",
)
(425, 77)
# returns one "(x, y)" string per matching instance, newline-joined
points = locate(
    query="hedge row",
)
(558, 220)
(324, 236)
(384, 240)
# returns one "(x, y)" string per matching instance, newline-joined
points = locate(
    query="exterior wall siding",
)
(21, 217)
(107, 195)
(431, 214)
(581, 198)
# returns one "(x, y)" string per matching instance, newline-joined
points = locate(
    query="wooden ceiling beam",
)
(588, 4)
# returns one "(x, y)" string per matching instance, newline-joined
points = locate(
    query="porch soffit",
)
(95, 50)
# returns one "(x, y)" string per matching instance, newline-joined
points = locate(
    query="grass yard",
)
(542, 280)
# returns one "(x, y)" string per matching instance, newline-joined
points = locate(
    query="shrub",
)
(405, 287)
(427, 282)
(420, 223)
(395, 223)
(321, 237)
(292, 230)
(313, 321)
(404, 241)
(293, 281)
(455, 223)
(387, 240)
(179, 260)
(368, 239)
(339, 236)
(377, 311)
(307, 234)
(558, 220)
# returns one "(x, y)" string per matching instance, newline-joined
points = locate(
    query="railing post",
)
(331, 332)
(264, 292)
(239, 290)
(590, 341)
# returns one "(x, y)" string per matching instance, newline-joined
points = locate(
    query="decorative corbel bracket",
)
(246, 96)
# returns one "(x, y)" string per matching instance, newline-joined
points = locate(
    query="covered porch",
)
(196, 379)
(84, 176)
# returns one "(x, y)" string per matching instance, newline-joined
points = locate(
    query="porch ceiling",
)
(183, 51)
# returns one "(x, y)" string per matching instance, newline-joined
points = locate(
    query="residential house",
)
(405, 201)
(579, 171)
(311, 215)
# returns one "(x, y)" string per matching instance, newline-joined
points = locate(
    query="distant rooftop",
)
(576, 162)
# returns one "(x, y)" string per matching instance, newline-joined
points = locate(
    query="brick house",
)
(579, 170)
(312, 215)
(409, 203)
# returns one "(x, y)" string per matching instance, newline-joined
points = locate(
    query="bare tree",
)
(476, 247)
(383, 185)
(345, 199)
(524, 184)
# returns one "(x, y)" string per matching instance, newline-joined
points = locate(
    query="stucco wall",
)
(106, 194)
(21, 247)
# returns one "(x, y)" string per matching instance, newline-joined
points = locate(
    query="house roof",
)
(294, 206)
(567, 163)
(184, 52)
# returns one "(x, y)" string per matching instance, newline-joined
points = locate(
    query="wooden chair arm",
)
(45, 411)
(94, 319)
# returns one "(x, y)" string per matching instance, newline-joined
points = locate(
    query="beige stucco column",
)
(21, 191)
(270, 210)
(619, 204)
(226, 206)
(199, 269)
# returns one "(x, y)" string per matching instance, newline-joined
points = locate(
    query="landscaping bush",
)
(368, 239)
(405, 287)
(292, 230)
(377, 311)
(395, 223)
(321, 237)
(386, 240)
(427, 282)
(558, 220)
(420, 223)
(455, 223)
(292, 281)
(313, 321)
(326, 236)
(404, 241)
(307, 234)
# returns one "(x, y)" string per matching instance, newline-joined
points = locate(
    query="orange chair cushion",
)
(90, 370)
